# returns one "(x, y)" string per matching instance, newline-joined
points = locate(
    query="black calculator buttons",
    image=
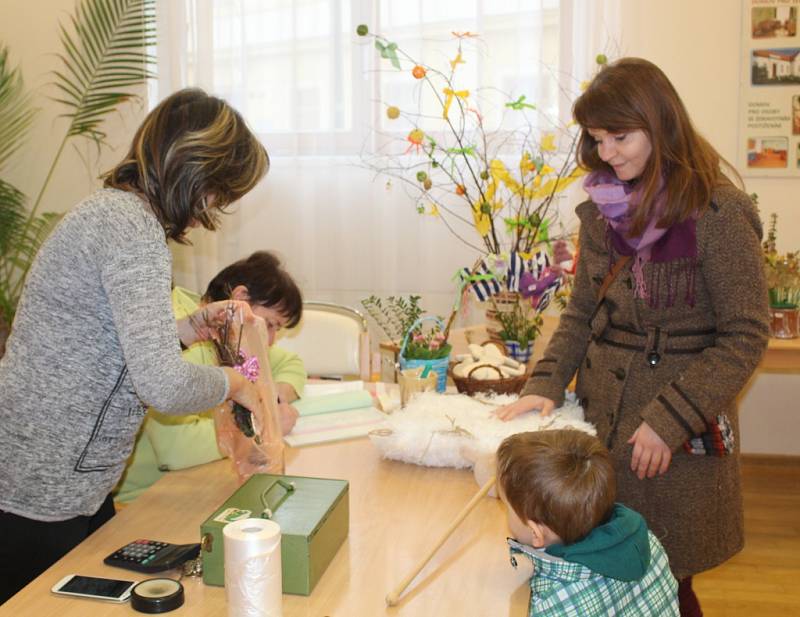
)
(152, 556)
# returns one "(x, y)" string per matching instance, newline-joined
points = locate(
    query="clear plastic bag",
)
(247, 454)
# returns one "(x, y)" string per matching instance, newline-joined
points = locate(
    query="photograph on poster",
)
(769, 89)
(767, 152)
(775, 67)
(773, 22)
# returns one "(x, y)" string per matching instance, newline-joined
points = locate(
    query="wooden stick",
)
(393, 597)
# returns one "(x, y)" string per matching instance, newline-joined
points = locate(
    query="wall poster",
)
(769, 98)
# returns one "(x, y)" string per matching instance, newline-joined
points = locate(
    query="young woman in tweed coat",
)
(662, 356)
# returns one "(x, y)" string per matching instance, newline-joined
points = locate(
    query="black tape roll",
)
(157, 595)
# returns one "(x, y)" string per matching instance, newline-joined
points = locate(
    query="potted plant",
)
(519, 328)
(783, 281)
(404, 322)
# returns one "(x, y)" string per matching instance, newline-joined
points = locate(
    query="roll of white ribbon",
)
(253, 568)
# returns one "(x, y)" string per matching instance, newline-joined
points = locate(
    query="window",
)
(302, 77)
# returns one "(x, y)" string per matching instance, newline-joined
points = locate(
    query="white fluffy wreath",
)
(437, 430)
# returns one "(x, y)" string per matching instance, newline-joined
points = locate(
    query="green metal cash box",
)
(313, 514)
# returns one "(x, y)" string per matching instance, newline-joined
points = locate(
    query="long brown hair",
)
(190, 148)
(562, 478)
(634, 94)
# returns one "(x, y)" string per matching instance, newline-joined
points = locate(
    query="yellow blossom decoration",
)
(526, 165)
(483, 223)
(557, 184)
(449, 94)
(548, 143)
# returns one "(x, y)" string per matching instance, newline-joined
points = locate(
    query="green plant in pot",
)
(103, 58)
(404, 322)
(783, 281)
(520, 324)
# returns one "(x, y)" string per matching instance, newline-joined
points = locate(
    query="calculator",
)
(152, 556)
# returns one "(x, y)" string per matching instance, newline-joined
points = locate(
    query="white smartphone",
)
(93, 587)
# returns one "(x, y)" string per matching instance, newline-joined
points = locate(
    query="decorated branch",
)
(490, 169)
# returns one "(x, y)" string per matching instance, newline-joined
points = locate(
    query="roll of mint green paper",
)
(328, 403)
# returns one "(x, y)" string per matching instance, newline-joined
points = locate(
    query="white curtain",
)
(316, 94)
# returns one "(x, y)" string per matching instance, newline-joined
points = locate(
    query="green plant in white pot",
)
(520, 324)
(103, 59)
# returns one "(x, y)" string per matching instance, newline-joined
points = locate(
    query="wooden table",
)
(782, 356)
(397, 511)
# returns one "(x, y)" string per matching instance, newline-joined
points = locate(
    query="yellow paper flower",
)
(526, 165)
(449, 93)
(482, 222)
(458, 60)
(548, 143)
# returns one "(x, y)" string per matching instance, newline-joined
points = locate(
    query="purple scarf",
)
(672, 251)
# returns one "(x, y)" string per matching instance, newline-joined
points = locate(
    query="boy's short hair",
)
(267, 282)
(561, 478)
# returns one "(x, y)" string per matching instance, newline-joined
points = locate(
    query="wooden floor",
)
(764, 579)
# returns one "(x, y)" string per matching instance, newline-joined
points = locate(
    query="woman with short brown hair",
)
(94, 340)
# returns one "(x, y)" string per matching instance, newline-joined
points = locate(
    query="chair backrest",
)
(332, 340)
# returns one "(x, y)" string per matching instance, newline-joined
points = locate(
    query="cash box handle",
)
(270, 507)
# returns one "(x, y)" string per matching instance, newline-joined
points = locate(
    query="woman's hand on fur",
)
(203, 323)
(651, 455)
(529, 402)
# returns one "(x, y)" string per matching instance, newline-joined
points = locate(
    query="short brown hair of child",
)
(267, 282)
(560, 478)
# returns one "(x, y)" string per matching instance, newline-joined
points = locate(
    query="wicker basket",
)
(503, 385)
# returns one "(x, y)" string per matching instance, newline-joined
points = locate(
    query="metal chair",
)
(332, 339)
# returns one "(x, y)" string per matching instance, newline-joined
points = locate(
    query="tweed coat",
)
(675, 367)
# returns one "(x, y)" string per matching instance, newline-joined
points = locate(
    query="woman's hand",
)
(247, 395)
(287, 414)
(203, 323)
(651, 455)
(525, 404)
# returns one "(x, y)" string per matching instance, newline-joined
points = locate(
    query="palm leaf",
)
(20, 239)
(12, 215)
(29, 239)
(16, 112)
(104, 57)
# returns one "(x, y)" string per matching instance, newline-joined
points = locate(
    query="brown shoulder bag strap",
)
(615, 270)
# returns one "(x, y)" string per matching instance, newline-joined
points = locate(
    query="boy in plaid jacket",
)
(590, 556)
